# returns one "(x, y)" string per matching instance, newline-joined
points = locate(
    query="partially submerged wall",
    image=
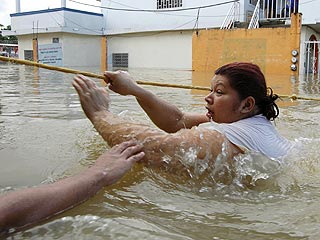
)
(270, 48)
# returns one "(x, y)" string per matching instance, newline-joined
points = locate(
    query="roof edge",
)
(54, 10)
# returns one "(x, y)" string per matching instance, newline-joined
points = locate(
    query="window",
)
(28, 55)
(120, 60)
(162, 4)
(253, 2)
(55, 40)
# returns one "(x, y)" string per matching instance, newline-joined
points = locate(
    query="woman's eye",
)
(216, 91)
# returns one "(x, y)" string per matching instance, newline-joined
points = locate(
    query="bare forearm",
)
(158, 145)
(163, 114)
(29, 206)
(115, 129)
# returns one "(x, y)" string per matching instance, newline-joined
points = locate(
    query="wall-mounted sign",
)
(50, 54)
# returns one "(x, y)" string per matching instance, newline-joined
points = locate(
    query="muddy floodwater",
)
(44, 136)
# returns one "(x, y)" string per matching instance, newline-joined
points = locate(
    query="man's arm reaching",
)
(28, 206)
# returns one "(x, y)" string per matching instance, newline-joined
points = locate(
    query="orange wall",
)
(270, 48)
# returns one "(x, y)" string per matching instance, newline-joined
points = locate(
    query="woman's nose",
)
(209, 98)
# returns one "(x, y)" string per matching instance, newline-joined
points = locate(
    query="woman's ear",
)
(248, 104)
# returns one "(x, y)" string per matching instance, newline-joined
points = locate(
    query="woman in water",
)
(240, 108)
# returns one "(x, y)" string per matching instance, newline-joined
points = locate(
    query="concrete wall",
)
(24, 43)
(310, 11)
(307, 32)
(57, 20)
(81, 50)
(154, 50)
(270, 48)
(138, 21)
(118, 21)
(78, 50)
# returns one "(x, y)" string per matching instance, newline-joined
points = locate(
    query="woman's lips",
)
(209, 114)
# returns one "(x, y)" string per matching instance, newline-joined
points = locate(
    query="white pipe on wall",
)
(63, 3)
(18, 9)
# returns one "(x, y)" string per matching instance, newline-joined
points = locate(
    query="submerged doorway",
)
(312, 55)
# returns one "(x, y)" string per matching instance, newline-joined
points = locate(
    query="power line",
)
(158, 32)
(97, 31)
(125, 5)
(307, 2)
(158, 10)
(197, 21)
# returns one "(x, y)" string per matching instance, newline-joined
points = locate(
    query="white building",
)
(310, 37)
(158, 33)
(155, 33)
(65, 37)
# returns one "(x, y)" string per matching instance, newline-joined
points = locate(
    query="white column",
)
(18, 9)
(63, 3)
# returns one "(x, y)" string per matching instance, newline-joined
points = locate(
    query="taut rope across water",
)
(93, 75)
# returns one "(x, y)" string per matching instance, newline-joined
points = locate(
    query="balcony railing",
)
(272, 10)
(278, 9)
(232, 17)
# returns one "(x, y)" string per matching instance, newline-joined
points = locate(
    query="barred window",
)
(161, 4)
(120, 60)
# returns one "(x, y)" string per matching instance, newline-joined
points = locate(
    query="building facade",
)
(60, 36)
(203, 36)
(282, 36)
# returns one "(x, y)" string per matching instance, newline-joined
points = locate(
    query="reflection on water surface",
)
(45, 136)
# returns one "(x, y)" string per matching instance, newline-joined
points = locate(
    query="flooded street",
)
(44, 136)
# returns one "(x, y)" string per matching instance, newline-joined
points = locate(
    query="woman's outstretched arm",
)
(159, 147)
(163, 114)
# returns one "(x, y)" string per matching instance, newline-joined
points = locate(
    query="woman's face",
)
(223, 103)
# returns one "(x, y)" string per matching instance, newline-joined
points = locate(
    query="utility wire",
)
(124, 5)
(97, 31)
(307, 2)
(158, 10)
(196, 24)
(170, 14)
(153, 33)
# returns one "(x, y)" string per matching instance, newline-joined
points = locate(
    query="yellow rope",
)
(89, 74)
(295, 97)
(93, 75)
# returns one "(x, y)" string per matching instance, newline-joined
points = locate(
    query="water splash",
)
(301, 168)
(252, 168)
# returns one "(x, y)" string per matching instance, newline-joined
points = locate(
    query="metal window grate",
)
(28, 55)
(120, 60)
(162, 4)
(312, 55)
